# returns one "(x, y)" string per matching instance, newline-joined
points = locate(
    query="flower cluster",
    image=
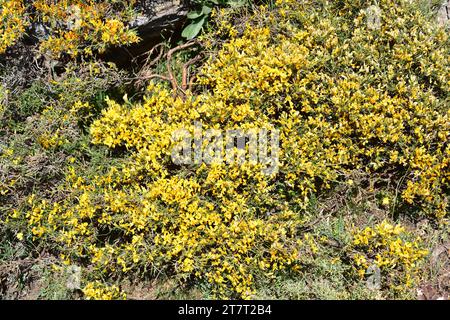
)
(98, 291)
(74, 27)
(12, 22)
(384, 246)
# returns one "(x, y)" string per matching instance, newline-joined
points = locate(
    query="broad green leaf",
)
(194, 14)
(206, 10)
(193, 29)
(237, 3)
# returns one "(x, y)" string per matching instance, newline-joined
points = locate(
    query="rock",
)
(73, 277)
(160, 18)
(151, 10)
(157, 20)
(443, 14)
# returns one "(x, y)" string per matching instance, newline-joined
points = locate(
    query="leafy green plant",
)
(199, 16)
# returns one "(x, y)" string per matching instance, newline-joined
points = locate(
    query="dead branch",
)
(185, 76)
(172, 78)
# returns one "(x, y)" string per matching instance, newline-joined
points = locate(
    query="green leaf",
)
(194, 14)
(236, 3)
(206, 10)
(193, 29)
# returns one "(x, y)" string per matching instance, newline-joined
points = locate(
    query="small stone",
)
(73, 277)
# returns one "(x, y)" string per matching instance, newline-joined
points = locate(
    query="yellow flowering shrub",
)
(74, 27)
(384, 246)
(141, 216)
(344, 96)
(12, 22)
